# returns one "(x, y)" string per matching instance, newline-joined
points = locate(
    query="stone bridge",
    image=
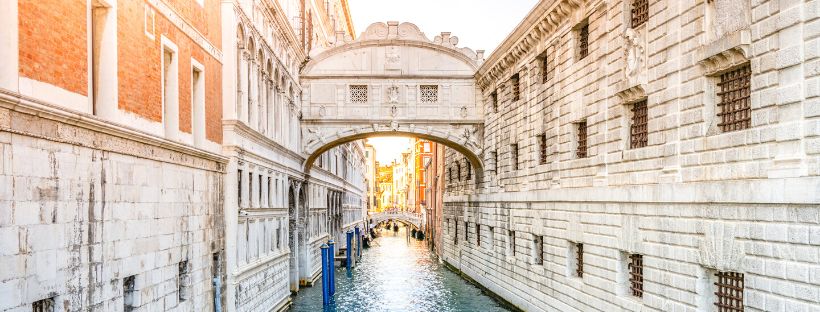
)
(393, 81)
(406, 217)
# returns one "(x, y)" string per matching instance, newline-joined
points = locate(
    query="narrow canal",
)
(395, 275)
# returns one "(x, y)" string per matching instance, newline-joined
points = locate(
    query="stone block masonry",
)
(83, 210)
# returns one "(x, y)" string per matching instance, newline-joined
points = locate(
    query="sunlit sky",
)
(478, 24)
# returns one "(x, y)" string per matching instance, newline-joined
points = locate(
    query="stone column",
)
(264, 202)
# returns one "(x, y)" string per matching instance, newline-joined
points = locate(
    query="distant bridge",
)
(406, 217)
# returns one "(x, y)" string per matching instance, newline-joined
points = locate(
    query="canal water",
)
(397, 275)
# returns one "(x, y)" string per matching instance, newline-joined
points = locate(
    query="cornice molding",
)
(542, 20)
(245, 131)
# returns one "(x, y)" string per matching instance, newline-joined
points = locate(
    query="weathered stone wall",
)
(83, 207)
(695, 201)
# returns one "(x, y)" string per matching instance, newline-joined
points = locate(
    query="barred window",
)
(466, 232)
(729, 292)
(538, 249)
(638, 132)
(455, 232)
(640, 12)
(579, 259)
(469, 169)
(458, 171)
(515, 87)
(636, 274)
(735, 99)
(358, 93)
(478, 234)
(547, 67)
(450, 174)
(542, 149)
(514, 156)
(583, 41)
(512, 242)
(494, 101)
(184, 281)
(44, 305)
(581, 152)
(428, 93)
(494, 156)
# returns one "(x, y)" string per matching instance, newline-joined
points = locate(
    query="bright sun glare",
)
(389, 148)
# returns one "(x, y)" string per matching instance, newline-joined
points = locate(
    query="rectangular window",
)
(358, 93)
(428, 93)
(469, 169)
(491, 236)
(583, 40)
(636, 274)
(494, 101)
(538, 249)
(478, 234)
(581, 151)
(455, 232)
(542, 148)
(466, 232)
(239, 188)
(149, 20)
(547, 67)
(260, 191)
(729, 291)
(514, 156)
(494, 157)
(511, 240)
(640, 12)
(44, 305)
(638, 132)
(129, 293)
(183, 281)
(170, 93)
(735, 99)
(579, 260)
(515, 87)
(99, 14)
(198, 105)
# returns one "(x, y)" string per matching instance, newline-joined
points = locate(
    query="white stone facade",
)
(693, 202)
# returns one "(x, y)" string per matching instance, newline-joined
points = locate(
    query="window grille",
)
(514, 156)
(494, 101)
(469, 169)
(495, 160)
(183, 281)
(636, 274)
(638, 130)
(455, 232)
(735, 99)
(515, 87)
(458, 171)
(128, 293)
(428, 94)
(478, 235)
(582, 140)
(466, 232)
(579, 259)
(640, 12)
(44, 305)
(729, 292)
(450, 174)
(538, 253)
(542, 148)
(583, 41)
(512, 243)
(358, 93)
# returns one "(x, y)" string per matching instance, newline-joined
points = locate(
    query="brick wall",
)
(58, 57)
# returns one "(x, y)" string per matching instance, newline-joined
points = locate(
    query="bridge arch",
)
(392, 81)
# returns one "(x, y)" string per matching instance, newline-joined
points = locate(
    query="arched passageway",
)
(393, 81)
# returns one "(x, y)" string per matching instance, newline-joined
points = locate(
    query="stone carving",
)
(394, 111)
(634, 51)
(464, 111)
(313, 136)
(322, 111)
(394, 125)
(393, 94)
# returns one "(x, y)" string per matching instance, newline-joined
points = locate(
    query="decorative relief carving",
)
(392, 59)
(393, 95)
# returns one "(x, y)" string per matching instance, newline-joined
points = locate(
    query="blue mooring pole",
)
(358, 243)
(325, 275)
(349, 249)
(331, 263)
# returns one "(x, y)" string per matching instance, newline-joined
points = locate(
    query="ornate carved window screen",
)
(542, 148)
(636, 274)
(640, 12)
(581, 152)
(735, 99)
(729, 292)
(358, 93)
(428, 93)
(638, 132)
(583, 41)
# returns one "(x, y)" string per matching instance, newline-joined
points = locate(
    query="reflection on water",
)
(395, 275)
